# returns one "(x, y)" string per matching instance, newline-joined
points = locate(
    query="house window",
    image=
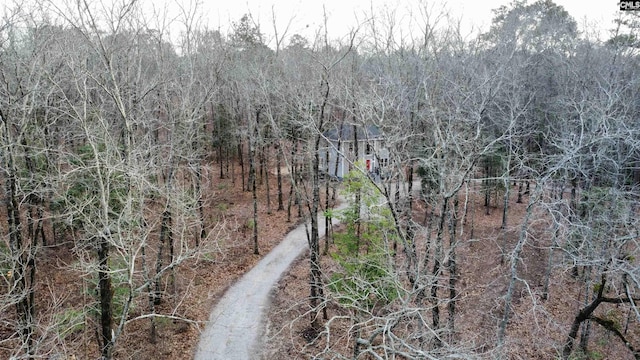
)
(384, 162)
(369, 149)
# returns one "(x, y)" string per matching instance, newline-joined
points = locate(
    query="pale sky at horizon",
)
(307, 16)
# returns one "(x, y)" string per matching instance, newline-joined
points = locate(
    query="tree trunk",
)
(227, 161)
(409, 210)
(290, 200)
(164, 236)
(279, 175)
(358, 193)
(241, 159)
(150, 300)
(256, 251)
(338, 155)
(314, 258)
(233, 170)
(24, 307)
(356, 334)
(487, 187)
(327, 218)
(220, 155)
(169, 237)
(34, 215)
(452, 267)
(265, 161)
(106, 297)
(316, 283)
(515, 258)
(547, 272)
(437, 263)
(503, 226)
(586, 329)
(583, 314)
(252, 182)
(293, 179)
(203, 232)
(260, 163)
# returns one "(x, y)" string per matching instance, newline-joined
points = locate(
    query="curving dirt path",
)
(237, 320)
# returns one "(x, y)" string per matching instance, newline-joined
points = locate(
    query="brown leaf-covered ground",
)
(62, 287)
(205, 280)
(537, 329)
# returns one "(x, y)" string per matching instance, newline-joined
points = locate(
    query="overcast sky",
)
(306, 15)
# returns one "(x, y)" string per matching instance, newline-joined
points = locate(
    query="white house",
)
(337, 155)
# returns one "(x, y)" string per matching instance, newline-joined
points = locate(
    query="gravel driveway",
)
(236, 323)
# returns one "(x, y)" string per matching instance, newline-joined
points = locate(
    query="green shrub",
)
(69, 322)
(366, 278)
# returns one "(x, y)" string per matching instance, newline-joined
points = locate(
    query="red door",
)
(368, 164)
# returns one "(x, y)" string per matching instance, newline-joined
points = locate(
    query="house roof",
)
(369, 132)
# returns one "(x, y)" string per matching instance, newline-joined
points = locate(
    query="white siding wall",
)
(329, 165)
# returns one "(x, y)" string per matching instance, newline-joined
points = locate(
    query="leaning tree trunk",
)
(583, 315)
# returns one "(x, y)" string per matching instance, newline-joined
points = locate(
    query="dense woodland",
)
(107, 122)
